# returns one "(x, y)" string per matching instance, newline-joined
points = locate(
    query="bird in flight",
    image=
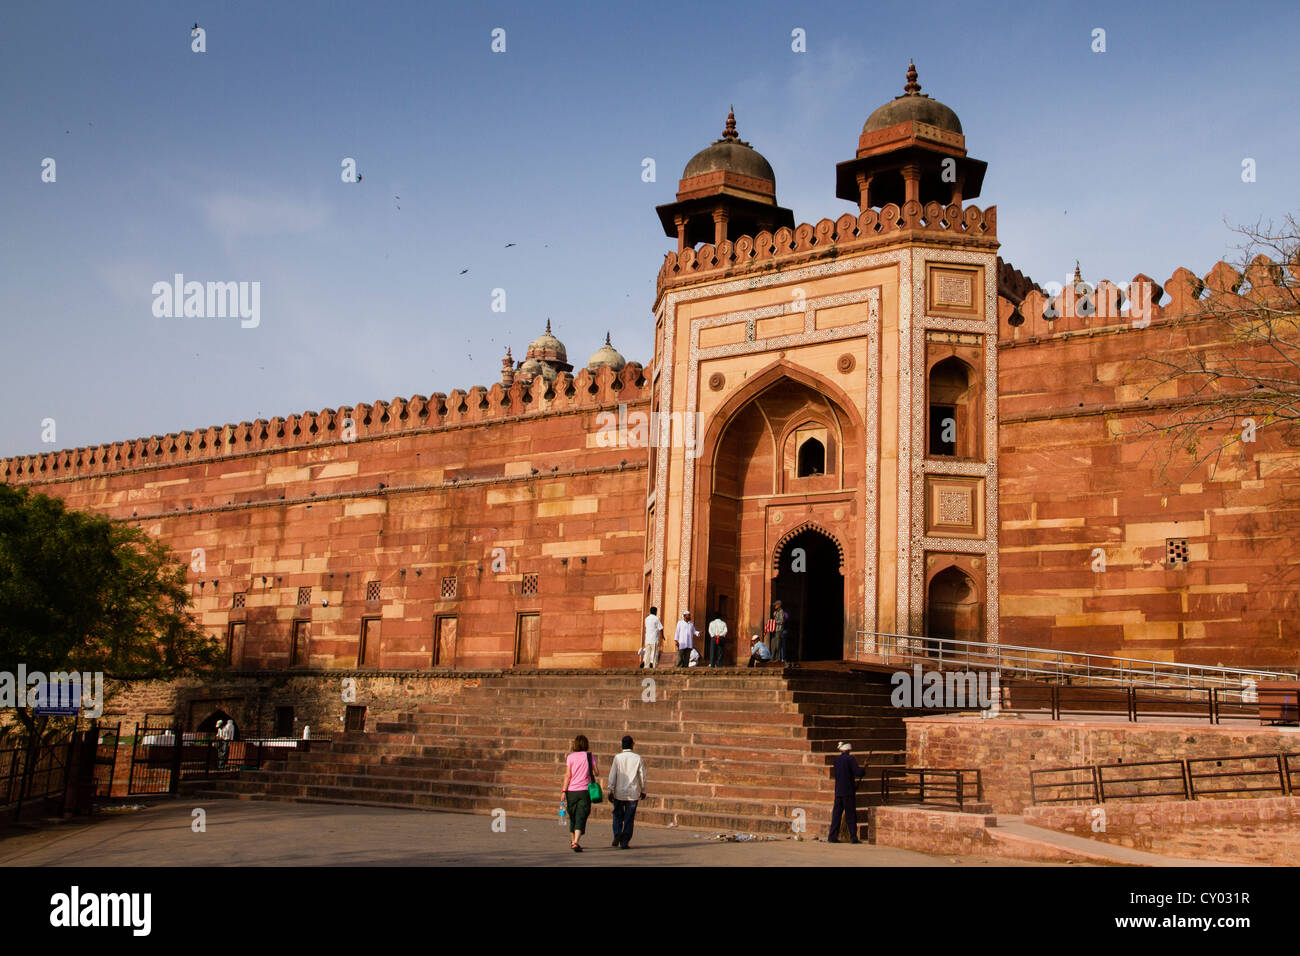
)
(463, 271)
(509, 244)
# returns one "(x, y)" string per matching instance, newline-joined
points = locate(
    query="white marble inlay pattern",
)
(920, 544)
(668, 307)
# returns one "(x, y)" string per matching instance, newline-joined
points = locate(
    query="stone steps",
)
(725, 750)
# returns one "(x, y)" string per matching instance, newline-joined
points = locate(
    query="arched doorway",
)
(952, 608)
(209, 723)
(809, 583)
(784, 453)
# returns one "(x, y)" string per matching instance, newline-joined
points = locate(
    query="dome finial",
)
(607, 339)
(548, 326)
(911, 86)
(730, 131)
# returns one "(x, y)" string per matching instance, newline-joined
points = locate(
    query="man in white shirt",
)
(654, 628)
(626, 787)
(685, 638)
(758, 652)
(717, 631)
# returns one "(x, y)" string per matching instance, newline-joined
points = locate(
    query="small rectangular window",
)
(1176, 553)
(239, 599)
(235, 643)
(444, 642)
(943, 430)
(304, 597)
(354, 719)
(448, 588)
(283, 722)
(298, 649)
(372, 591)
(368, 653)
(529, 585)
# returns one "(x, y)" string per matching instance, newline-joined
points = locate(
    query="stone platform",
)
(728, 750)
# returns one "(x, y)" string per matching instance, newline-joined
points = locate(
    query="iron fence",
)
(1062, 666)
(162, 757)
(931, 786)
(1188, 779)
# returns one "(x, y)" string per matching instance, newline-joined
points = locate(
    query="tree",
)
(81, 592)
(1233, 362)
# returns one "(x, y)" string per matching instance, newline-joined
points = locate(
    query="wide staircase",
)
(729, 750)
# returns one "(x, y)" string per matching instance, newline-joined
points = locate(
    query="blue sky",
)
(225, 166)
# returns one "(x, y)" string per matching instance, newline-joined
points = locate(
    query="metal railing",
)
(1187, 779)
(1061, 666)
(1133, 703)
(159, 766)
(931, 786)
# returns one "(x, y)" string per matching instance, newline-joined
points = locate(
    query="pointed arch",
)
(798, 530)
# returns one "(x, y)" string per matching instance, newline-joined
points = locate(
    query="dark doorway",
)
(952, 609)
(810, 586)
(283, 726)
(209, 723)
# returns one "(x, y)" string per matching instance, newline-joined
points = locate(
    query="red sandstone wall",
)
(428, 490)
(1262, 831)
(1006, 750)
(1076, 475)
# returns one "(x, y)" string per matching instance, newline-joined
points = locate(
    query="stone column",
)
(719, 226)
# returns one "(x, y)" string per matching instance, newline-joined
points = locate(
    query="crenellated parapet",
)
(768, 251)
(1081, 307)
(1014, 284)
(567, 392)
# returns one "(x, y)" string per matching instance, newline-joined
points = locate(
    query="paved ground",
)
(258, 833)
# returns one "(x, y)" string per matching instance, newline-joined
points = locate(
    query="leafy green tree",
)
(81, 592)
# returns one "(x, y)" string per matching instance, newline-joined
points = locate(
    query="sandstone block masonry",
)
(479, 529)
(1005, 750)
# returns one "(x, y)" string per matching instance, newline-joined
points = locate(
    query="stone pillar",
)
(680, 222)
(864, 191)
(957, 190)
(911, 183)
(719, 226)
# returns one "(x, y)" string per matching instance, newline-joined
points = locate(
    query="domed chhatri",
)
(547, 348)
(911, 149)
(546, 356)
(727, 190)
(606, 356)
(915, 106)
(731, 154)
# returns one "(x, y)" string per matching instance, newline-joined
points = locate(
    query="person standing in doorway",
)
(778, 623)
(685, 639)
(654, 629)
(847, 775)
(579, 772)
(717, 631)
(626, 788)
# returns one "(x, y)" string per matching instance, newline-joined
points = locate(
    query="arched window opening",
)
(950, 412)
(953, 610)
(812, 458)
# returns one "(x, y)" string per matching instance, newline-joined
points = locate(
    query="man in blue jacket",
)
(847, 775)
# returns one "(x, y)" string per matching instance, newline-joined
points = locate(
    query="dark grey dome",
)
(730, 154)
(915, 106)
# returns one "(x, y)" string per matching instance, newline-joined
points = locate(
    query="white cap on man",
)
(846, 747)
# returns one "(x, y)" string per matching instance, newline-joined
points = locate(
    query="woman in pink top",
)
(579, 772)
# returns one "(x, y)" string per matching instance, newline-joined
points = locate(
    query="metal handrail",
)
(1057, 664)
(1190, 782)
